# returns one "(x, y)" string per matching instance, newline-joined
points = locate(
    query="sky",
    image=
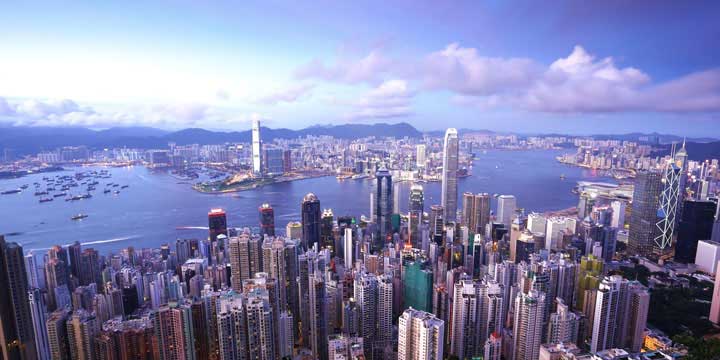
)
(576, 67)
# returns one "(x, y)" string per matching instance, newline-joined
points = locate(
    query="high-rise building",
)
(172, 324)
(609, 313)
(481, 218)
(58, 335)
(415, 218)
(82, 327)
(256, 148)
(417, 285)
(420, 336)
(420, 156)
(39, 317)
(564, 325)
(707, 256)
(217, 223)
(714, 315)
(294, 230)
(645, 205)
(465, 319)
(671, 197)
(493, 347)
(528, 325)
(383, 206)
(696, 224)
(385, 308)
(366, 295)
(437, 223)
(245, 259)
(449, 190)
(16, 325)
(318, 316)
(506, 205)
(310, 211)
(267, 220)
(468, 210)
(636, 319)
(348, 248)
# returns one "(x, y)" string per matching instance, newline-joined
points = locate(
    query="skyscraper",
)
(528, 327)
(348, 248)
(267, 220)
(449, 190)
(217, 223)
(645, 205)
(506, 206)
(385, 308)
(420, 156)
(256, 148)
(671, 199)
(82, 327)
(482, 213)
(416, 209)
(39, 317)
(696, 224)
(366, 295)
(172, 324)
(420, 336)
(310, 211)
(383, 206)
(609, 313)
(16, 335)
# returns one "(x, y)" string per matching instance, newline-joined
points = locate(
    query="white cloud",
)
(367, 69)
(391, 99)
(287, 95)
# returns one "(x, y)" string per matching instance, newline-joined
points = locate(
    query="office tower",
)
(348, 248)
(256, 148)
(537, 223)
(415, 216)
(327, 223)
(518, 226)
(366, 295)
(645, 205)
(217, 223)
(267, 220)
(437, 223)
(383, 206)
(528, 325)
(16, 325)
(310, 211)
(716, 226)
(417, 285)
(385, 308)
(58, 334)
(420, 155)
(273, 161)
(468, 210)
(82, 326)
(564, 325)
(420, 336)
(522, 247)
(172, 324)
(38, 316)
(671, 197)
(609, 313)
(696, 224)
(449, 190)
(294, 230)
(481, 206)
(506, 205)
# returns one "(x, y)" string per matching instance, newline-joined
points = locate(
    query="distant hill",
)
(30, 140)
(697, 151)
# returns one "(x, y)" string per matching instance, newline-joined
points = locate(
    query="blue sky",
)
(574, 67)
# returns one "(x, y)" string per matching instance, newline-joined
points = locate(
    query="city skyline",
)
(500, 66)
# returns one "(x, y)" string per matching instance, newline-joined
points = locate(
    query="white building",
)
(506, 205)
(420, 336)
(707, 256)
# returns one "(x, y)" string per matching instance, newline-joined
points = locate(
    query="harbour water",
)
(155, 205)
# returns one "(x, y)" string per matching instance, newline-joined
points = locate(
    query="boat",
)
(107, 191)
(46, 200)
(562, 176)
(125, 186)
(24, 187)
(79, 217)
(8, 192)
(38, 193)
(116, 192)
(60, 195)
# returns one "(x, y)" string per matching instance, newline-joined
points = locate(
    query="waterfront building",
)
(383, 207)
(217, 223)
(506, 205)
(256, 149)
(267, 220)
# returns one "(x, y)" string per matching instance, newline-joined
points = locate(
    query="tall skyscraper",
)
(310, 211)
(696, 224)
(564, 325)
(16, 335)
(267, 220)
(528, 327)
(420, 336)
(506, 205)
(217, 223)
(383, 206)
(348, 248)
(256, 148)
(318, 306)
(420, 156)
(82, 327)
(416, 209)
(481, 218)
(385, 308)
(38, 314)
(172, 324)
(465, 319)
(437, 223)
(609, 313)
(645, 205)
(449, 190)
(56, 327)
(671, 199)
(366, 295)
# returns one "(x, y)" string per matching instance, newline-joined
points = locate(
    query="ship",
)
(8, 192)
(45, 200)
(106, 191)
(79, 217)
(60, 195)
(125, 186)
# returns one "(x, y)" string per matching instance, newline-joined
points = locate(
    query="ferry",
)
(78, 217)
(8, 192)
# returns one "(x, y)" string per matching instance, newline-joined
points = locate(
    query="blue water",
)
(148, 213)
